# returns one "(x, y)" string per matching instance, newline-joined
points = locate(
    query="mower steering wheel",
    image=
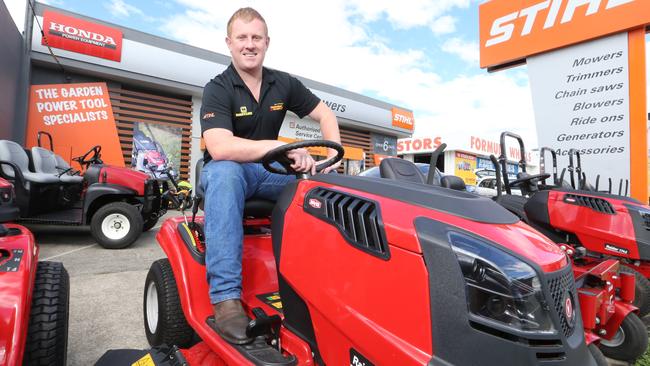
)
(527, 180)
(85, 161)
(279, 154)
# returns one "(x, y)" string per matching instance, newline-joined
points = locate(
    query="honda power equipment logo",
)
(76, 35)
(512, 30)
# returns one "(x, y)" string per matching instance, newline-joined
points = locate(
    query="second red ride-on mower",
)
(599, 225)
(117, 203)
(34, 296)
(362, 271)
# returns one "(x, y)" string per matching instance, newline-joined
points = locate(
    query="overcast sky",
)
(419, 54)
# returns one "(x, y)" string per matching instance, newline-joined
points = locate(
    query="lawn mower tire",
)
(641, 291)
(47, 334)
(116, 225)
(630, 341)
(164, 321)
(598, 355)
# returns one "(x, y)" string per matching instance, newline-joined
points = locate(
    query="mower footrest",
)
(261, 354)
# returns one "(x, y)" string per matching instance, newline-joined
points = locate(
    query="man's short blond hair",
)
(247, 15)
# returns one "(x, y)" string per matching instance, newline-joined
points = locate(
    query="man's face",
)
(248, 43)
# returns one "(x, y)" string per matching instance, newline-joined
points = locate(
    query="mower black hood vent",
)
(358, 219)
(596, 204)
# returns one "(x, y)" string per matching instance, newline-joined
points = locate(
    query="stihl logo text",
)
(504, 27)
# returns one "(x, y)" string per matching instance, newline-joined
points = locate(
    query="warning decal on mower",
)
(144, 361)
(356, 359)
(272, 299)
(616, 249)
(13, 263)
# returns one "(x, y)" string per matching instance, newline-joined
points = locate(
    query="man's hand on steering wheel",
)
(331, 153)
(302, 161)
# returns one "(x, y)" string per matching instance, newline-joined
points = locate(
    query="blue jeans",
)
(227, 184)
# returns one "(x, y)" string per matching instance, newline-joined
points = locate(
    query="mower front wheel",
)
(641, 291)
(630, 341)
(116, 225)
(164, 321)
(47, 334)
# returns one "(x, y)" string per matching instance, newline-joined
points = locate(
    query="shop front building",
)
(154, 88)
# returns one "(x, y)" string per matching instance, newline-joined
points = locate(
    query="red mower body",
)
(18, 258)
(603, 224)
(399, 300)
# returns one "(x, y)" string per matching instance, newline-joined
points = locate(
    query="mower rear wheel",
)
(629, 342)
(149, 224)
(47, 334)
(164, 321)
(116, 225)
(641, 291)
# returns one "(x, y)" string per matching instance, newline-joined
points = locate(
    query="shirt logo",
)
(243, 112)
(277, 107)
(208, 115)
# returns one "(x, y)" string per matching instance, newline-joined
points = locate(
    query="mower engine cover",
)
(603, 223)
(8, 211)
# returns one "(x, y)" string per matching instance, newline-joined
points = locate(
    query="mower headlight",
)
(500, 287)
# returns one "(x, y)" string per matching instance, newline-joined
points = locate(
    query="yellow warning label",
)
(144, 361)
(277, 305)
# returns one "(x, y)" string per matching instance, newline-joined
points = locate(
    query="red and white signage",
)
(77, 35)
(418, 145)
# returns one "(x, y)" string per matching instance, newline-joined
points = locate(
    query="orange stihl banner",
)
(403, 118)
(77, 35)
(78, 116)
(511, 30)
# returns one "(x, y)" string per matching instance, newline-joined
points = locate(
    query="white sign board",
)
(581, 101)
(300, 129)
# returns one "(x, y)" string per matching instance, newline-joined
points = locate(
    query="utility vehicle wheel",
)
(47, 334)
(116, 225)
(598, 355)
(641, 291)
(149, 224)
(164, 321)
(630, 341)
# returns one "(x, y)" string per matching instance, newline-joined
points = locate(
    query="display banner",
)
(512, 30)
(581, 100)
(78, 116)
(384, 145)
(464, 167)
(77, 35)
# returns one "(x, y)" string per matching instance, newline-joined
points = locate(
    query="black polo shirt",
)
(228, 103)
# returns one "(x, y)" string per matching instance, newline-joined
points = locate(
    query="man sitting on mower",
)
(242, 112)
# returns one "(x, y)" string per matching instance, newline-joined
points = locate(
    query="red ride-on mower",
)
(362, 271)
(606, 293)
(118, 203)
(33, 296)
(600, 225)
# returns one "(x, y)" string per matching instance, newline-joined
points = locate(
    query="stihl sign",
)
(512, 30)
(80, 36)
(403, 118)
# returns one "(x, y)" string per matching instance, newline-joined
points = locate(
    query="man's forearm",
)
(242, 150)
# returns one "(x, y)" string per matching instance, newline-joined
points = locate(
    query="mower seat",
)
(253, 208)
(45, 162)
(13, 153)
(402, 170)
(453, 182)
